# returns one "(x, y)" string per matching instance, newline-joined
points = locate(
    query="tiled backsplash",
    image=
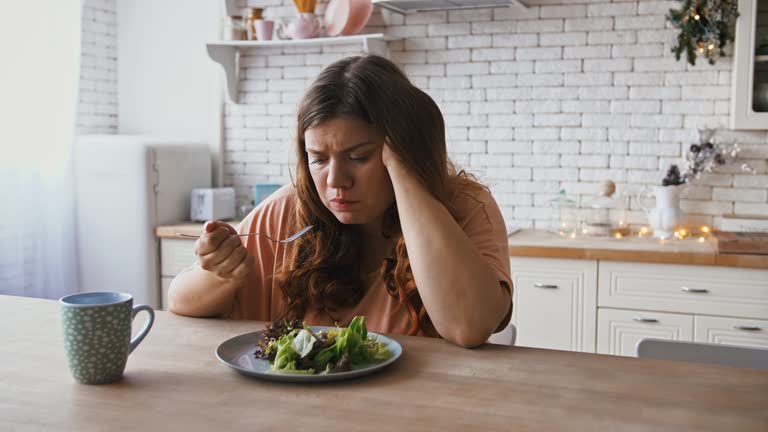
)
(563, 95)
(558, 96)
(97, 108)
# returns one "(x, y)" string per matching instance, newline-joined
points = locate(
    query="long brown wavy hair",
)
(322, 268)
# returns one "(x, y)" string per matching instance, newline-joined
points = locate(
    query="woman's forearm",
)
(200, 293)
(460, 291)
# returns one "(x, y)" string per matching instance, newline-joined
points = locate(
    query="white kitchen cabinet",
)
(708, 290)
(175, 256)
(165, 283)
(731, 331)
(750, 71)
(635, 301)
(619, 330)
(555, 302)
(608, 306)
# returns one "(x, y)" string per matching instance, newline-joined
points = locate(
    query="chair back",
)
(505, 337)
(726, 355)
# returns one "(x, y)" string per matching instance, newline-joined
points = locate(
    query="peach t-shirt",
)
(261, 298)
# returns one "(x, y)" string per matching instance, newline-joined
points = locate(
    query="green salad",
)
(292, 347)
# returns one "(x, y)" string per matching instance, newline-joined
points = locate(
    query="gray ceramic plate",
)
(238, 353)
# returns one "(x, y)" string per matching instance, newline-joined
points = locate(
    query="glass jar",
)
(598, 221)
(565, 219)
(244, 209)
(233, 28)
(620, 216)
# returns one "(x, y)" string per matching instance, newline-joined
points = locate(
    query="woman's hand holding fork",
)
(220, 251)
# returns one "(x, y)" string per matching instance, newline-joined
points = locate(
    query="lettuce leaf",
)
(285, 360)
(377, 351)
(358, 326)
(345, 347)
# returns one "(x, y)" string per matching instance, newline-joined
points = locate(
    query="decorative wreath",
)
(706, 26)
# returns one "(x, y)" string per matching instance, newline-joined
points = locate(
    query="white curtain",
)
(39, 76)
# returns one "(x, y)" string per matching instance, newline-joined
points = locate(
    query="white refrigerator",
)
(127, 185)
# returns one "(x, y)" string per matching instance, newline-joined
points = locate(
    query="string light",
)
(696, 17)
(699, 234)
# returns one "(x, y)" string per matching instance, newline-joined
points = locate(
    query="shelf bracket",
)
(229, 58)
(375, 46)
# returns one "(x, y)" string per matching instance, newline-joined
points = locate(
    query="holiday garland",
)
(706, 26)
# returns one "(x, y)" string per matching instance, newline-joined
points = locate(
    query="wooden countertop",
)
(173, 381)
(539, 243)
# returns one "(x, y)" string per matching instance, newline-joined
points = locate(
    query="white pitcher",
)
(666, 216)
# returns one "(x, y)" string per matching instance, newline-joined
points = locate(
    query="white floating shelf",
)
(227, 53)
(761, 58)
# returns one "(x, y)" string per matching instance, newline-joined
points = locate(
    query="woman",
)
(399, 236)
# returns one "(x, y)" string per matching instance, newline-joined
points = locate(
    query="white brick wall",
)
(97, 107)
(558, 96)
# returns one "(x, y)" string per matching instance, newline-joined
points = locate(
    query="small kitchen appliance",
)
(208, 204)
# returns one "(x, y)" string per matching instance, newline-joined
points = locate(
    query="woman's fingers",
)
(210, 241)
(225, 250)
(215, 234)
(220, 252)
(212, 260)
(226, 267)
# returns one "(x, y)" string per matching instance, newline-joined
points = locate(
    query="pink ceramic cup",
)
(264, 29)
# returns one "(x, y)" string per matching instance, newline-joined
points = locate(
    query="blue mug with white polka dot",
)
(97, 334)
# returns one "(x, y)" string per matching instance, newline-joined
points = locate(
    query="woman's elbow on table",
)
(197, 295)
(470, 341)
(469, 334)
(477, 327)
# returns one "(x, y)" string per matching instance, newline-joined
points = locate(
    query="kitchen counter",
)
(539, 243)
(173, 381)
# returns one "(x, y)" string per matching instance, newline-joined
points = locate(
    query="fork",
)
(288, 240)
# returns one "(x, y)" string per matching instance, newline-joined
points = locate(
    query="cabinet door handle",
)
(694, 290)
(747, 328)
(645, 320)
(547, 286)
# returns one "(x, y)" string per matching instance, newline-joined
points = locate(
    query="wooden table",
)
(174, 382)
